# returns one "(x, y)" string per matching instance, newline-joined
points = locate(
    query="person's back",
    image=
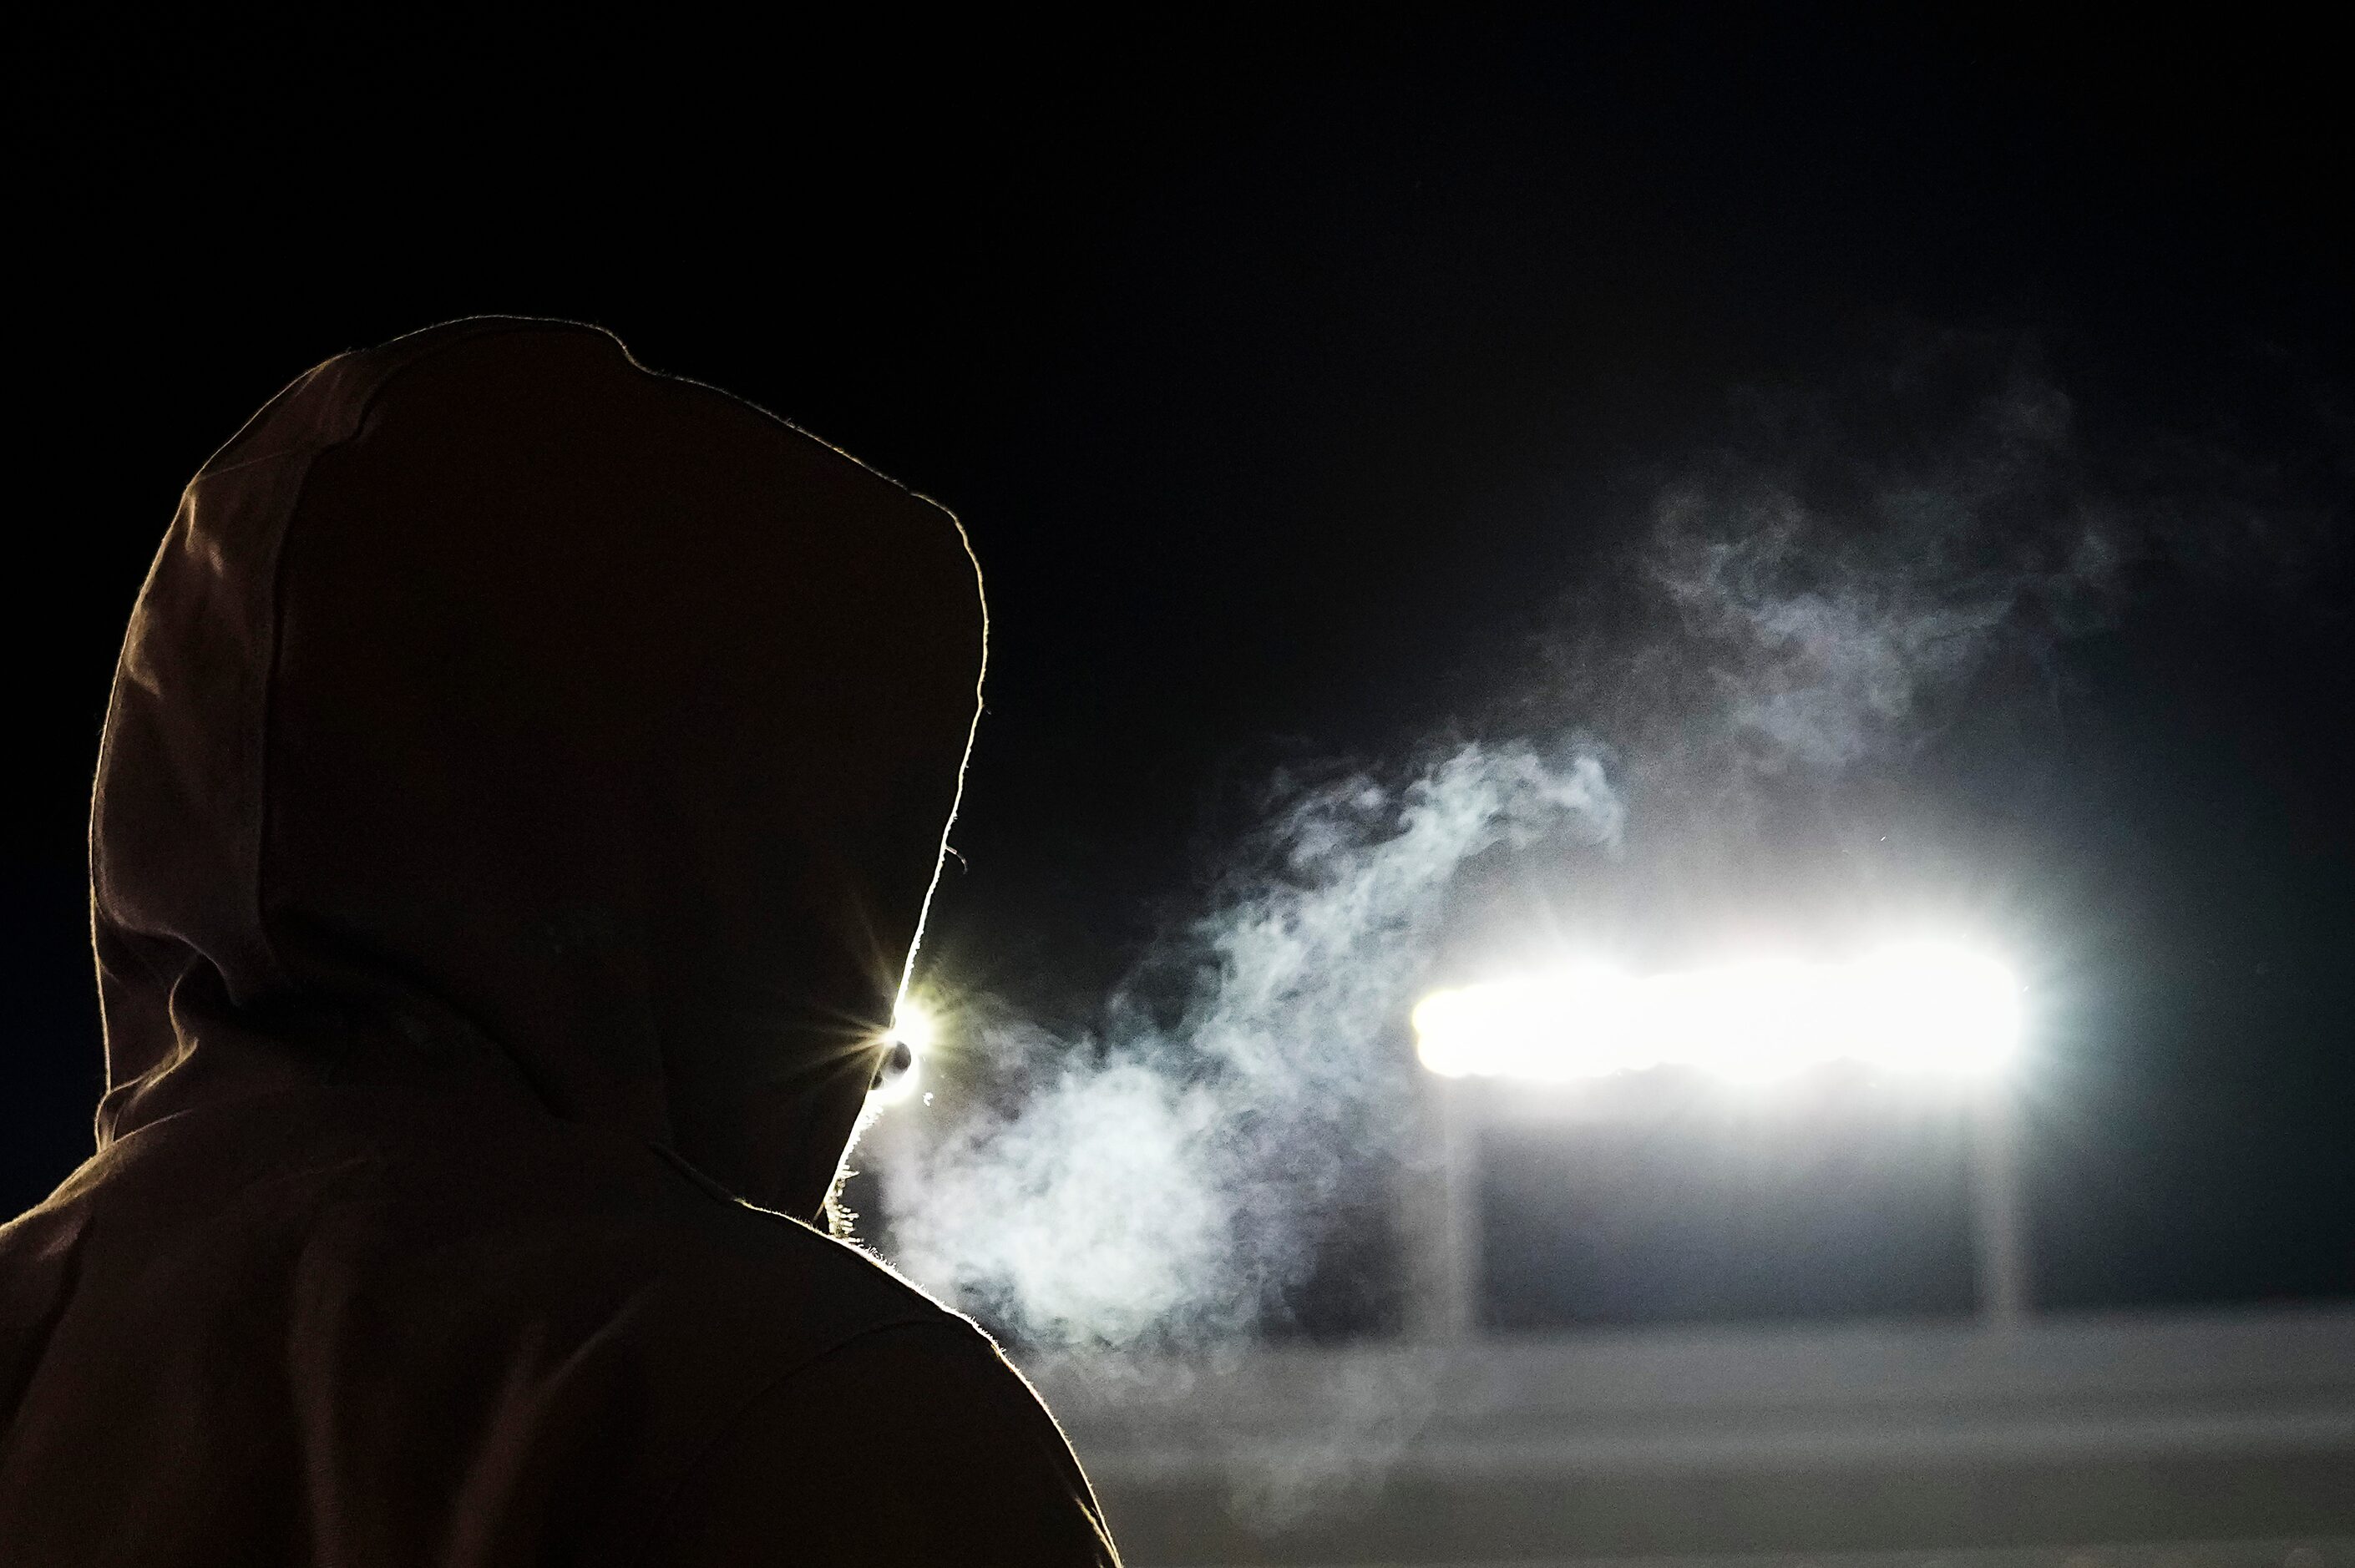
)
(524, 780)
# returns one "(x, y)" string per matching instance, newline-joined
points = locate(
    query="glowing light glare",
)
(912, 1026)
(915, 1026)
(1921, 1007)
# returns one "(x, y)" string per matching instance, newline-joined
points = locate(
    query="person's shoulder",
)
(874, 1423)
(478, 1214)
(737, 1245)
(657, 1275)
(915, 1442)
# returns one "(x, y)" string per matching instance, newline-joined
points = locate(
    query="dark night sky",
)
(1288, 382)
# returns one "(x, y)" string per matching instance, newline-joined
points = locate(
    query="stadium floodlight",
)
(1914, 1006)
(1930, 1011)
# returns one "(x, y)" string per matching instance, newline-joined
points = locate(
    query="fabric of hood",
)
(501, 716)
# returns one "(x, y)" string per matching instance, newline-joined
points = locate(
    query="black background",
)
(1278, 374)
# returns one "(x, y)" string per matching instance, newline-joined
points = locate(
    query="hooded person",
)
(524, 781)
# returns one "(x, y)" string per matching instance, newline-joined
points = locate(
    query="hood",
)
(502, 718)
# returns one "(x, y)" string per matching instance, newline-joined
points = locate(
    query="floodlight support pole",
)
(1998, 1233)
(1444, 1231)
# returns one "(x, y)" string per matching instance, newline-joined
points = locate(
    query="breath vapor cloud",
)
(1153, 1180)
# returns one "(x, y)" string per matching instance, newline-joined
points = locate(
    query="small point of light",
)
(914, 1028)
(1916, 1007)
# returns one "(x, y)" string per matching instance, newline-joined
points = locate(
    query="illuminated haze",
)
(1156, 1178)
(1786, 626)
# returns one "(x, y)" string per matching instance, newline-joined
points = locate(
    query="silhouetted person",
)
(524, 781)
